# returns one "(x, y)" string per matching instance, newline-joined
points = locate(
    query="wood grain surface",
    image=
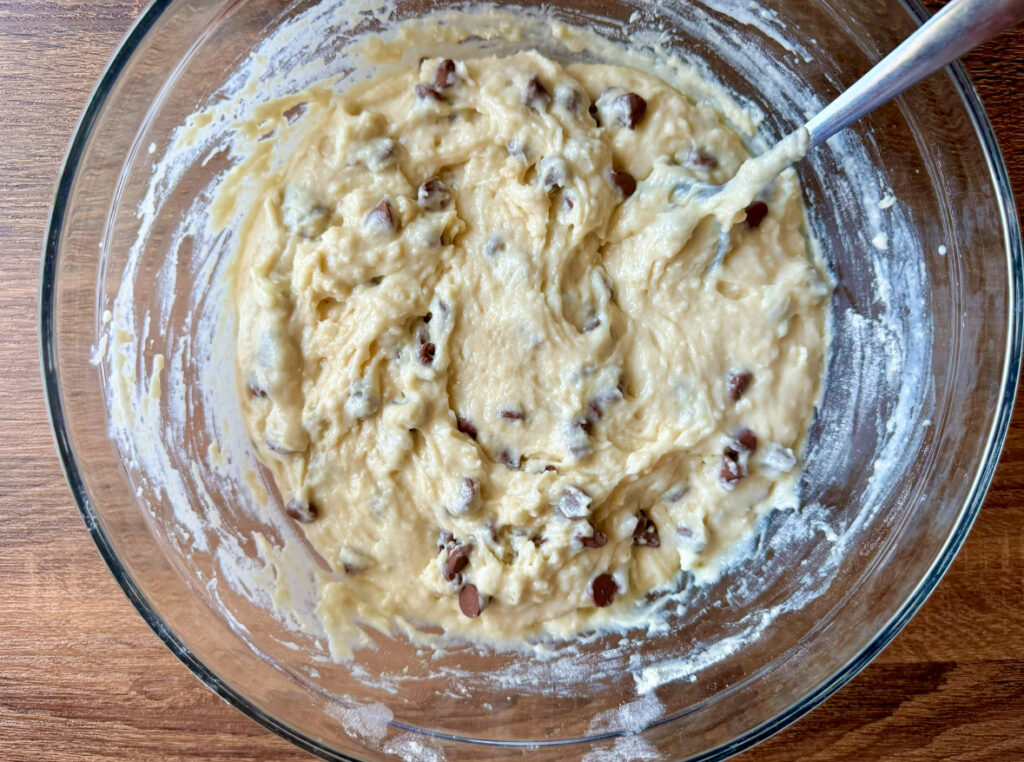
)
(83, 678)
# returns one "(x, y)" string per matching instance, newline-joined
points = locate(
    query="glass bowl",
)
(912, 210)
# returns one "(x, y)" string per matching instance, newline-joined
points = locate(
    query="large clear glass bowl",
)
(920, 386)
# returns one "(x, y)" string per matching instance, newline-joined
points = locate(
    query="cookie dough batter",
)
(490, 357)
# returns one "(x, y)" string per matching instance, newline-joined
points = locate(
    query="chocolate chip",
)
(351, 560)
(466, 500)
(444, 539)
(535, 95)
(295, 112)
(458, 559)
(302, 512)
(574, 503)
(756, 212)
(427, 93)
(629, 109)
(538, 541)
(746, 439)
(592, 324)
(511, 413)
(511, 460)
(592, 110)
(609, 287)
(548, 468)
(494, 246)
(646, 532)
(362, 401)
(624, 182)
(597, 406)
(517, 149)
(598, 540)
(576, 434)
(731, 471)
(603, 590)
(426, 353)
(385, 155)
(583, 424)
(738, 384)
(445, 76)
(256, 390)
(279, 448)
(568, 98)
(433, 195)
(466, 427)
(382, 217)
(553, 173)
(700, 158)
(674, 495)
(470, 601)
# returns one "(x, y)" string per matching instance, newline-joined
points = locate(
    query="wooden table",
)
(83, 678)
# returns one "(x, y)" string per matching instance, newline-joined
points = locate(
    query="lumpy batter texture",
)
(501, 359)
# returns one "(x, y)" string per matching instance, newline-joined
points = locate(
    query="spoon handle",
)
(958, 27)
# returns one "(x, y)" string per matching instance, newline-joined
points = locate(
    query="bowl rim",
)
(979, 488)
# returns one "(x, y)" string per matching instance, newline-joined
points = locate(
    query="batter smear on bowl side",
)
(493, 362)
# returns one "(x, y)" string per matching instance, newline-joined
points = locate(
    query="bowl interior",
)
(909, 208)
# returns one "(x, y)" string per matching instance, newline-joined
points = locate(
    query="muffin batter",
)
(499, 356)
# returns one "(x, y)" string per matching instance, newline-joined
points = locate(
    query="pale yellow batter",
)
(489, 357)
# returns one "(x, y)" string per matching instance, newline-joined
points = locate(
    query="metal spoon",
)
(957, 28)
(960, 26)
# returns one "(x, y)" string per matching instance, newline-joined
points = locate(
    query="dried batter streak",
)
(487, 352)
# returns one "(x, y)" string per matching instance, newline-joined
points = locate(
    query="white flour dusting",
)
(624, 749)
(368, 722)
(413, 748)
(631, 717)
